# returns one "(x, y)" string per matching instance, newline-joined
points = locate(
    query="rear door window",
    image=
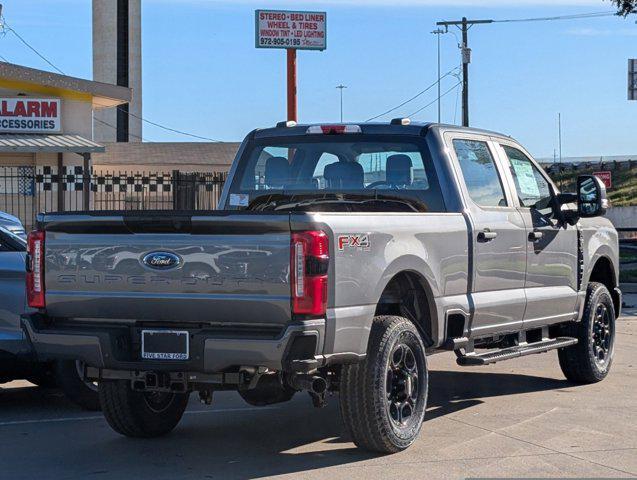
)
(480, 173)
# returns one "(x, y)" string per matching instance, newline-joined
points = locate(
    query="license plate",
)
(165, 345)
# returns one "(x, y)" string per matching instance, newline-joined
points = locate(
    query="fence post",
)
(175, 189)
(86, 181)
(60, 182)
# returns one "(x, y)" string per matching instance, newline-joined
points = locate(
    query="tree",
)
(625, 7)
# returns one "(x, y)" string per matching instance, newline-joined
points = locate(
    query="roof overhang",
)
(20, 143)
(101, 95)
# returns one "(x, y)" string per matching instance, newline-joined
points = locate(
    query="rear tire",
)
(140, 414)
(383, 398)
(590, 359)
(69, 374)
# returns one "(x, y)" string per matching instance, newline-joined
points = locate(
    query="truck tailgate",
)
(95, 268)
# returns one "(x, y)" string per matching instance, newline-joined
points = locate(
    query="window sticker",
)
(239, 199)
(526, 178)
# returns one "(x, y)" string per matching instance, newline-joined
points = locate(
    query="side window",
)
(532, 188)
(480, 173)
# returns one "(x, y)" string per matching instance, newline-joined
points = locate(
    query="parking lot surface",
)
(519, 418)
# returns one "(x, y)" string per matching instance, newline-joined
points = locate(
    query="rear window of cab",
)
(320, 165)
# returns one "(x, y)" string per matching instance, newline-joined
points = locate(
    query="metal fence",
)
(27, 191)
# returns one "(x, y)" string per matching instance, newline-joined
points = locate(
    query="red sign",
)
(30, 115)
(605, 177)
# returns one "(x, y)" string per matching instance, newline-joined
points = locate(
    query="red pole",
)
(292, 113)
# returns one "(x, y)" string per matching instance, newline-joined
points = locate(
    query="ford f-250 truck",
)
(341, 256)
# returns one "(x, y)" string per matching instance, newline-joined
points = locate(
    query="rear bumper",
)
(114, 347)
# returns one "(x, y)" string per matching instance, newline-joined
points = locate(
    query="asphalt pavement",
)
(518, 418)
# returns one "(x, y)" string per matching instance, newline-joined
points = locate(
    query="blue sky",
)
(202, 73)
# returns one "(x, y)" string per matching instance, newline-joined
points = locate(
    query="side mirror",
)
(591, 196)
(566, 208)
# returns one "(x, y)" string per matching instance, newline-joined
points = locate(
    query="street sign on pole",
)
(291, 30)
(632, 79)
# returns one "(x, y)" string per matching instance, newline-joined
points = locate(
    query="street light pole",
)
(341, 87)
(559, 136)
(438, 32)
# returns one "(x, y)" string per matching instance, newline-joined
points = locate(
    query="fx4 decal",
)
(353, 241)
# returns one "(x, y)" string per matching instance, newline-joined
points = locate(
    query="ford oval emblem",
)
(161, 260)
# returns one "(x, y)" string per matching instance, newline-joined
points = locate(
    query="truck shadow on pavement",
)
(227, 441)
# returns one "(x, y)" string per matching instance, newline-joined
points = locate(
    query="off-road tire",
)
(129, 412)
(81, 393)
(364, 394)
(579, 362)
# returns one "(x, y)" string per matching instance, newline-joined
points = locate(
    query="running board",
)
(473, 359)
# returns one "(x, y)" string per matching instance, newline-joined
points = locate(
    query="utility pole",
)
(464, 25)
(438, 32)
(341, 87)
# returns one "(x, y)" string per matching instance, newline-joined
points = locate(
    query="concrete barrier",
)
(623, 217)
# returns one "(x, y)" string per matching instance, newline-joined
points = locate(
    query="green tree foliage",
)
(626, 6)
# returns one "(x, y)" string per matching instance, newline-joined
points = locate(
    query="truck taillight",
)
(35, 269)
(308, 279)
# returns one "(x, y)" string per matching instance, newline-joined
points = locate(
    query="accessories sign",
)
(295, 30)
(30, 115)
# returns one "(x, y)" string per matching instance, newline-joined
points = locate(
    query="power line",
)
(95, 119)
(464, 25)
(8, 27)
(168, 128)
(559, 17)
(434, 101)
(450, 72)
(150, 122)
(455, 108)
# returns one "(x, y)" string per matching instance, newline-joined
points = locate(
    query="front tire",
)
(383, 398)
(140, 414)
(590, 359)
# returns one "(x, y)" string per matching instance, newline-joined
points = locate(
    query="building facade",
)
(46, 138)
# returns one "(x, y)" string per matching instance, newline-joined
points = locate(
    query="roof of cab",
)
(378, 128)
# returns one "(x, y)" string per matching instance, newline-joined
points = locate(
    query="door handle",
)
(486, 235)
(535, 236)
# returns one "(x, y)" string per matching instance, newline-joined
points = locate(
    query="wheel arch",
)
(409, 292)
(603, 271)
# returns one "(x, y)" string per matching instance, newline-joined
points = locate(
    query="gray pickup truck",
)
(341, 256)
